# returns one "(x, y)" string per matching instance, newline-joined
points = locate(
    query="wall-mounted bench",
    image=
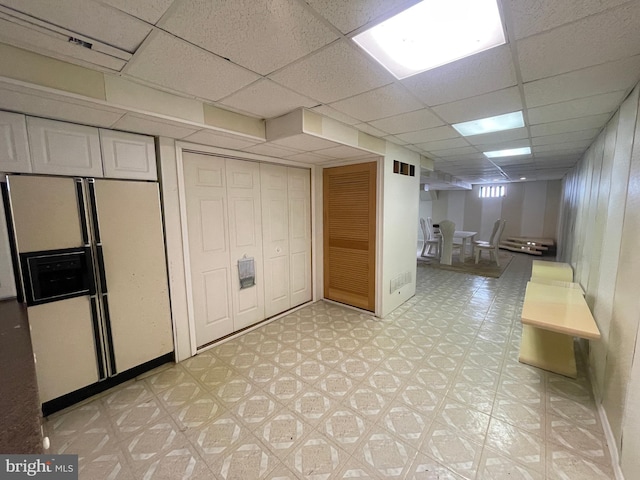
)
(554, 312)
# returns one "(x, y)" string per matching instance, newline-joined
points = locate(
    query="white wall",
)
(530, 209)
(400, 199)
(424, 210)
(600, 229)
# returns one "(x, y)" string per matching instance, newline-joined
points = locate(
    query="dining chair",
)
(492, 248)
(447, 230)
(429, 240)
(496, 226)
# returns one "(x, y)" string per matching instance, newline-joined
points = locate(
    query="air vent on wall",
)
(27, 32)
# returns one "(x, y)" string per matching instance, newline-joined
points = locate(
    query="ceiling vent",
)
(27, 32)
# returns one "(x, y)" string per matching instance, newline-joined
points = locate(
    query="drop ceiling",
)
(567, 65)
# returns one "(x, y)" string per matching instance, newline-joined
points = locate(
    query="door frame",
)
(186, 327)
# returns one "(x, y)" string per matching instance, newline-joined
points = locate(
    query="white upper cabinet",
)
(14, 146)
(127, 155)
(60, 148)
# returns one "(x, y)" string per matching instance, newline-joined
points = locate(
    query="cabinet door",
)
(127, 155)
(14, 146)
(61, 148)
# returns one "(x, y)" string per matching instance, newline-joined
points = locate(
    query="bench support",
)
(548, 350)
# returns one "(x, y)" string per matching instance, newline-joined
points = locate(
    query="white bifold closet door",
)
(209, 252)
(240, 209)
(286, 219)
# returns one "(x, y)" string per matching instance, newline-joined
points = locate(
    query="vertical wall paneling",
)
(624, 319)
(513, 212)
(600, 228)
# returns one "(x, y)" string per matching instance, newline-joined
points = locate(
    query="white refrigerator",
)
(91, 263)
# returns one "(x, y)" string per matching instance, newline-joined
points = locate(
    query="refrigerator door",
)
(62, 336)
(46, 213)
(134, 273)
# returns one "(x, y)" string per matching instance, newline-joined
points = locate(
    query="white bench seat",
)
(551, 316)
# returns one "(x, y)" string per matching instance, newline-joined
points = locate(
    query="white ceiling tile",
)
(336, 115)
(562, 148)
(333, 73)
(261, 35)
(173, 63)
(266, 99)
(482, 73)
(531, 17)
(394, 139)
(367, 128)
(429, 135)
(87, 18)
(573, 125)
(147, 10)
(310, 158)
(379, 103)
(271, 150)
(220, 139)
(582, 44)
(350, 15)
(57, 107)
(546, 154)
(443, 144)
(152, 126)
(342, 151)
(481, 106)
(454, 152)
(565, 137)
(605, 78)
(520, 160)
(408, 122)
(498, 137)
(304, 142)
(598, 104)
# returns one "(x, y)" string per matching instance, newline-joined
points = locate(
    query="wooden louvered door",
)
(350, 234)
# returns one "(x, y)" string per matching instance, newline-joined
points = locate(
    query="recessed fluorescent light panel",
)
(490, 124)
(508, 153)
(433, 33)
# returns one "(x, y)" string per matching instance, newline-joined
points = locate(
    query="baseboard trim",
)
(606, 426)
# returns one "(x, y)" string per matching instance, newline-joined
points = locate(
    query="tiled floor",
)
(434, 391)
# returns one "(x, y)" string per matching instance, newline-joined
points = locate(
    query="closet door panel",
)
(245, 234)
(275, 218)
(299, 198)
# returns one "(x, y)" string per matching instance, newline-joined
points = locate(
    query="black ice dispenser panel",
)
(53, 275)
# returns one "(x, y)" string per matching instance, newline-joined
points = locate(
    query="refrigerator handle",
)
(107, 324)
(96, 338)
(81, 211)
(96, 235)
(94, 211)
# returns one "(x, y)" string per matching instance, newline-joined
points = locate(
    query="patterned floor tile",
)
(465, 420)
(151, 443)
(125, 397)
(426, 468)
(449, 447)
(335, 384)
(137, 418)
(180, 394)
(524, 447)
(563, 464)
(108, 464)
(494, 466)
(197, 412)
(578, 439)
(419, 398)
(282, 432)
(316, 458)
(584, 413)
(312, 405)
(345, 427)
(285, 387)
(218, 436)
(405, 423)
(255, 408)
(249, 458)
(477, 397)
(180, 462)
(384, 453)
(530, 417)
(367, 401)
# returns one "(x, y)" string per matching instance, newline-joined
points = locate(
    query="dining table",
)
(465, 237)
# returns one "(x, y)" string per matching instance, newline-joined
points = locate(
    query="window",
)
(492, 191)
